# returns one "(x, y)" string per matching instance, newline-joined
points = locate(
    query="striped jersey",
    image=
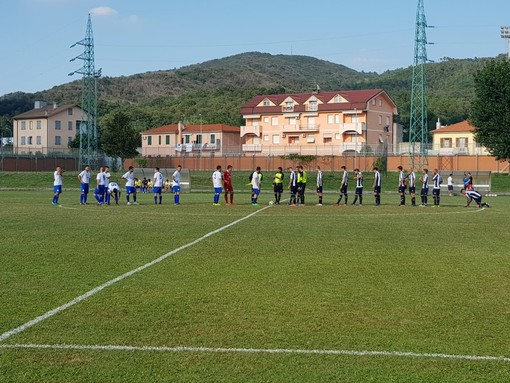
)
(345, 178)
(425, 181)
(473, 194)
(436, 179)
(319, 178)
(293, 178)
(401, 178)
(377, 178)
(359, 180)
(412, 179)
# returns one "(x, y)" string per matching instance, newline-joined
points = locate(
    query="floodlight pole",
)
(505, 34)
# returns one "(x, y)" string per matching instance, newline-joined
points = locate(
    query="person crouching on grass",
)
(473, 195)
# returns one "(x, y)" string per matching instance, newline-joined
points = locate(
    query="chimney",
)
(54, 105)
(39, 104)
(438, 124)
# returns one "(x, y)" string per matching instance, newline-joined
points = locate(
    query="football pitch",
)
(202, 293)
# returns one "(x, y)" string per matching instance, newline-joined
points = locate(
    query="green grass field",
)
(255, 301)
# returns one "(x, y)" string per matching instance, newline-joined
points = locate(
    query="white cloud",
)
(103, 11)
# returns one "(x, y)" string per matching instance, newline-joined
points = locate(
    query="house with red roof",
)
(193, 140)
(456, 139)
(320, 123)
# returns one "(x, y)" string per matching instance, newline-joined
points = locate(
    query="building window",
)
(331, 119)
(380, 120)
(78, 124)
(294, 140)
(30, 125)
(266, 120)
(256, 140)
(461, 142)
(311, 122)
(310, 139)
(38, 124)
(312, 106)
(267, 103)
(23, 140)
(266, 137)
(159, 140)
(327, 139)
(23, 125)
(338, 99)
(58, 140)
(149, 140)
(255, 122)
(276, 139)
(380, 103)
(338, 136)
(187, 139)
(198, 139)
(38, 140)
(388, 121)
(69, 139)
(337, 118)
(289, 106)
(292, 121)
(167, 140)
(374, 100)
(213, 139)
(30, 140)
(58, 125)
(446, 142)
(69, 125)
(70, 111)
(274, 121)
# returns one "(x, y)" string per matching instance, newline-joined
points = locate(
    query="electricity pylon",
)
(89, 139)
(418, 130)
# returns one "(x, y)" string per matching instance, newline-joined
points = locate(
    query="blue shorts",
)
(402, 189)
(424, 191)
(343, 189)
(156, 189)
(319, 190)
(97, 191)
(436, 192)
(218, 190)
(176, 189)
(57, 189)
(412, 189)
(101, 189)
(130, 190)
(85, 188)
(255, 191)
(359, 191)
(450, 187)
(377, 190)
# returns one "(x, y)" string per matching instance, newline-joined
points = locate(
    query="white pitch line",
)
(97, 289)
(255, 351)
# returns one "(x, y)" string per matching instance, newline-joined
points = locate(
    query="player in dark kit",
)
(402, 185)
(343, 186)
(278, 185)
(377, 186)
(227, 185)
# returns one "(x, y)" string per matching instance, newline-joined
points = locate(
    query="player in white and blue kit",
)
(217, 179)
(359, 188)
(343, 186)
(84, 178)
(424, 187)
(377, 186)
(255, 186)
(157, 187)
(106, 181)
(411, 177)
(113, 189)
(101, 185)
(436, 187)
(130, 185)
(57, 185)
(473, 195)
(176, 184)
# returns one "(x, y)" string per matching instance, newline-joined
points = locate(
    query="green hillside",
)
(214, 91)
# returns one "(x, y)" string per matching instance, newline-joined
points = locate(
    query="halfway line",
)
(97, 289)
(255, 351)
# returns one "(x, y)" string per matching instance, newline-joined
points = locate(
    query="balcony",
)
(250, 130)
(288, 109)
(350, 147)
(353, 127)
(252, 147)
(301, 128)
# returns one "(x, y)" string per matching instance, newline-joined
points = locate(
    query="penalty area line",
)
(99, 288)
(256, 351)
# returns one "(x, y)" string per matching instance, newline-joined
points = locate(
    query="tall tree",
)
(490, 110)
(118, 137)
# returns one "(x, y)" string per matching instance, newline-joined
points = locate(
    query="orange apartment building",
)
(320, 123)
(46, 128)
(191, 140)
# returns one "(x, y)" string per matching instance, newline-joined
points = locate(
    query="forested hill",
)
(214, 91)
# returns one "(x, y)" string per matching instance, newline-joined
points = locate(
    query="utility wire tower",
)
(418, 131)
(89, 139)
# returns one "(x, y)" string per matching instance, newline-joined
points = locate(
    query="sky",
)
(138, 36)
